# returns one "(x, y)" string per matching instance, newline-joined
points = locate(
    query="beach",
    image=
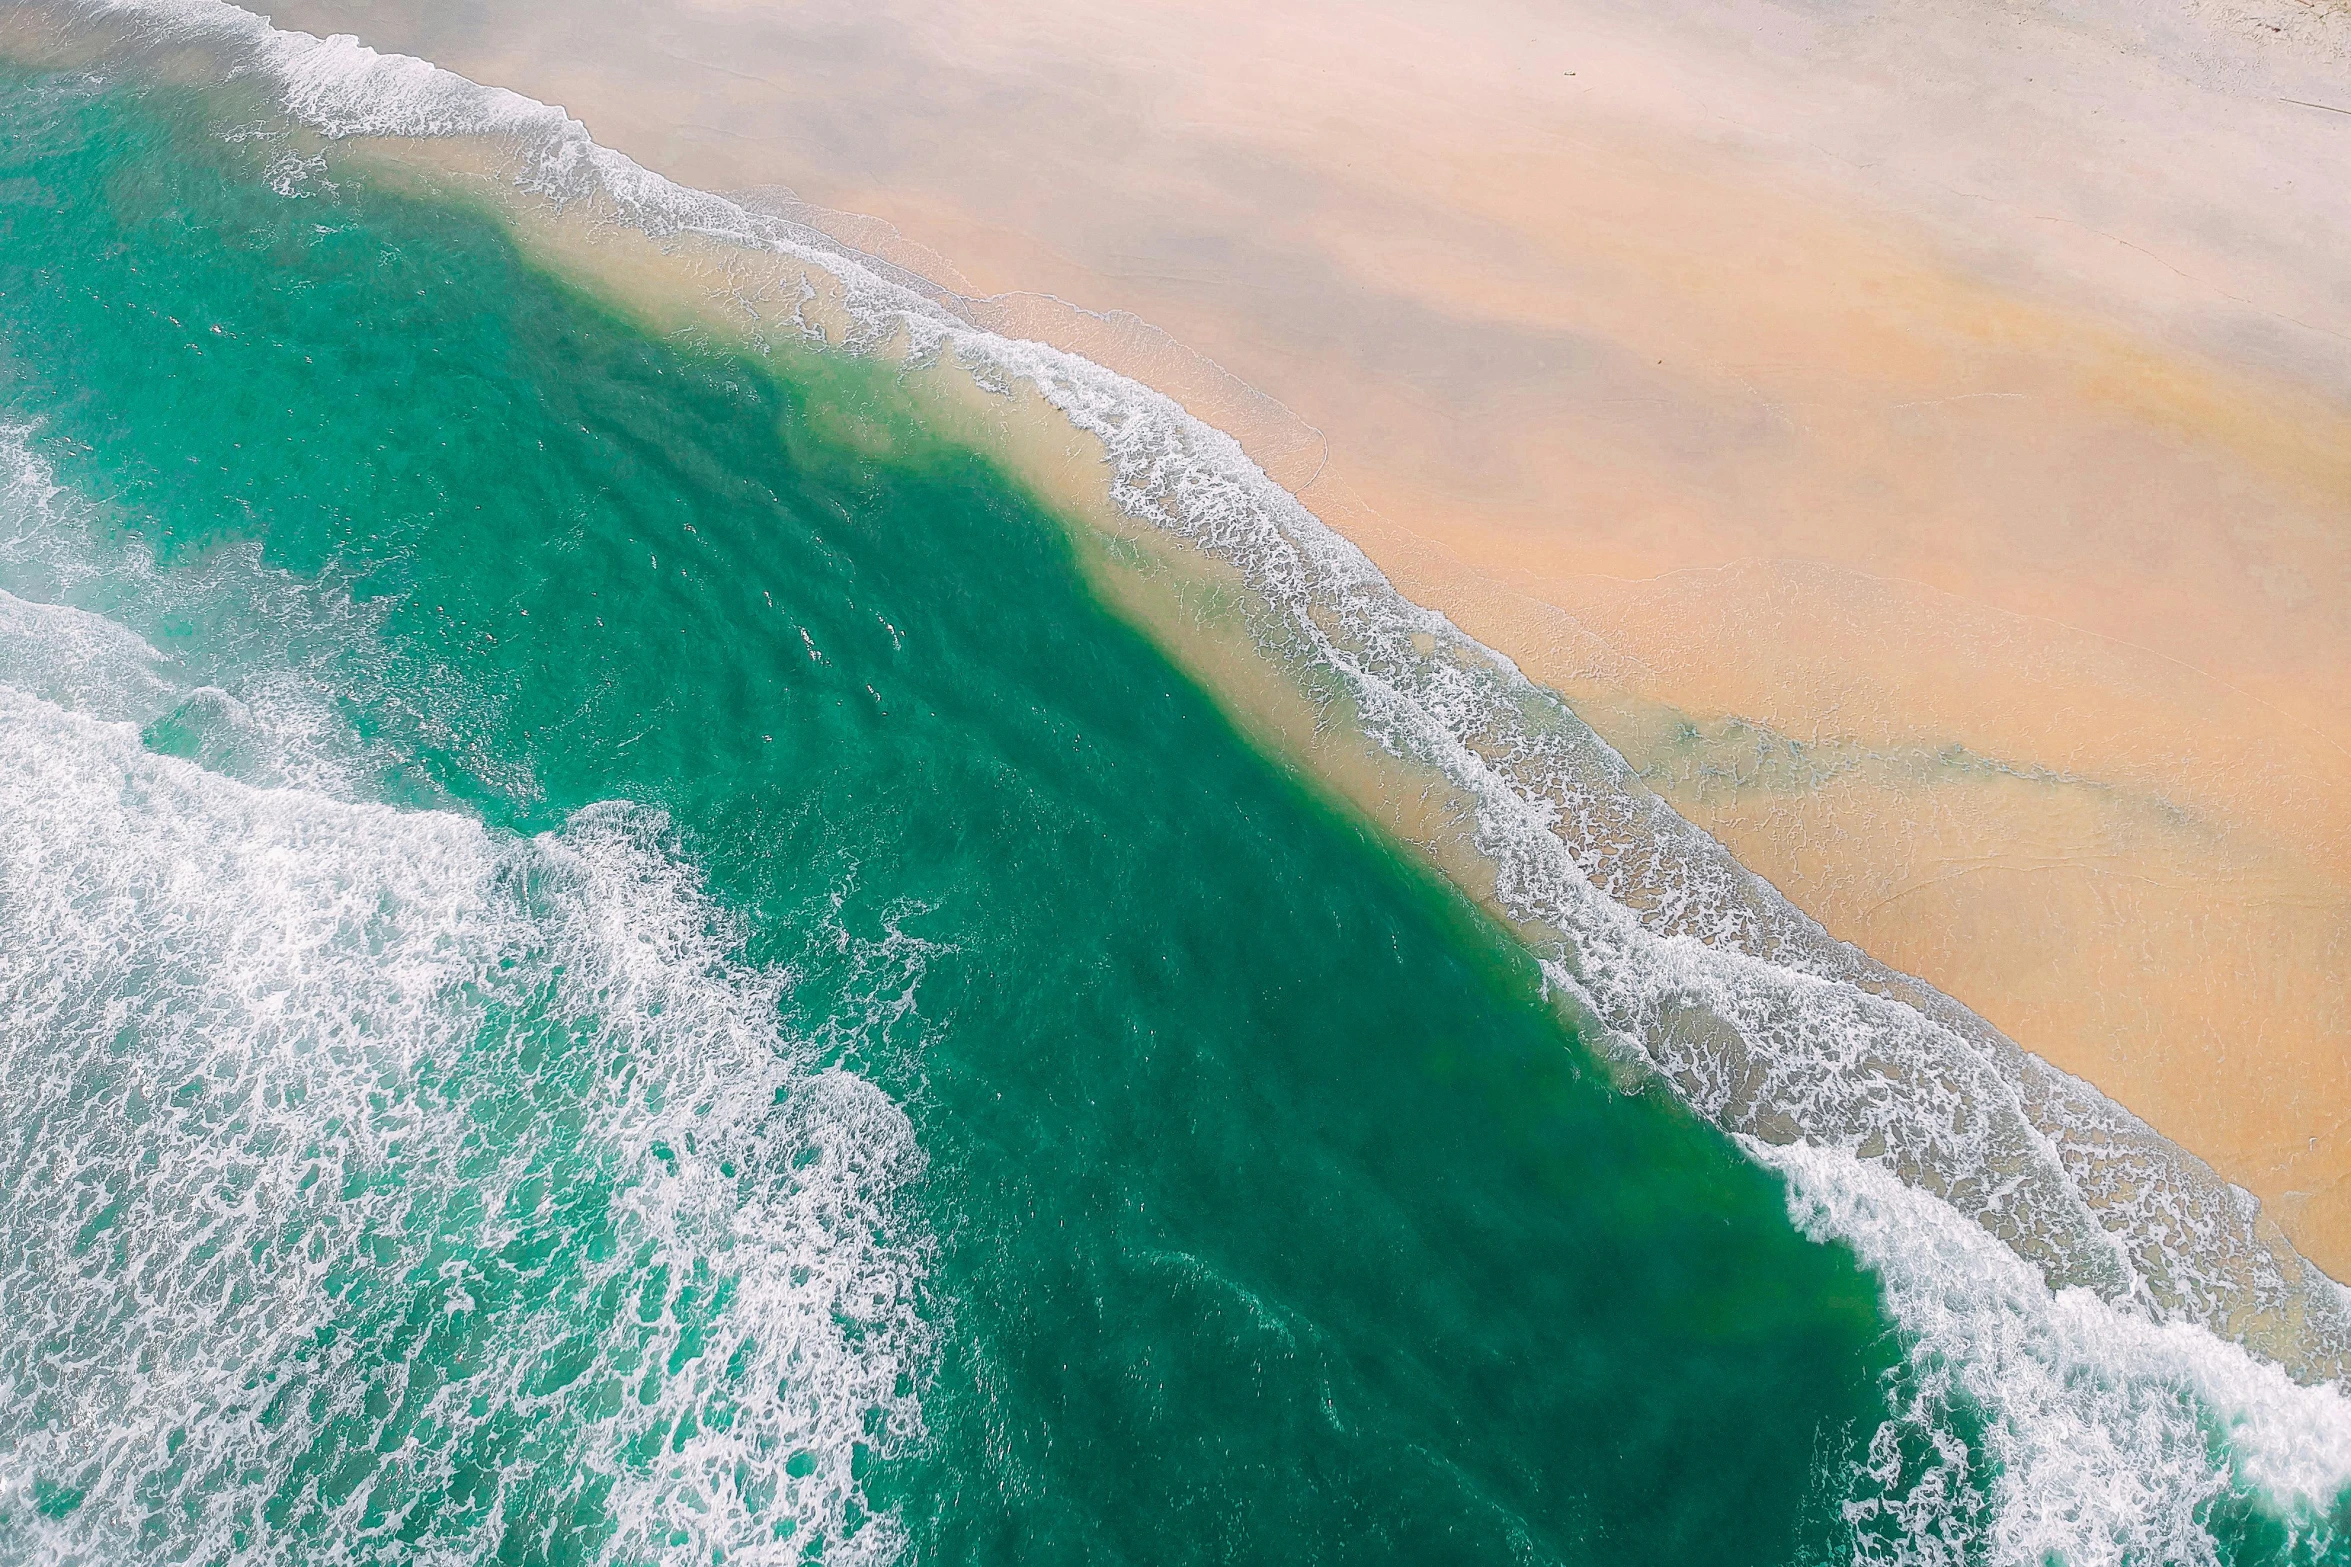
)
(690, 877)
(721, 1008)
(1920, 445)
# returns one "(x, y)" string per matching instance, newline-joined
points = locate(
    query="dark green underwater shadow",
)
(1280, 1218)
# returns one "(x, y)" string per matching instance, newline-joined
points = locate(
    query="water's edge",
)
(1904, 1124)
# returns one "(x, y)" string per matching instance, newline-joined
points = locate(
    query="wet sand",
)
(1922, 445)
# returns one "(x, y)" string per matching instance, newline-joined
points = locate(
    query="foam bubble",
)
(367, 1171)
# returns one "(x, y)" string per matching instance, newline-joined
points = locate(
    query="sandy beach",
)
(1922, 445)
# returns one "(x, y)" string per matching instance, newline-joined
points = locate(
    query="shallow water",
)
(608, 958)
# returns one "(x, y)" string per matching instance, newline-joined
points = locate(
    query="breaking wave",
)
(376, 1183)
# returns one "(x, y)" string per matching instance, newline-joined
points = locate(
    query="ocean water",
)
(608, 955)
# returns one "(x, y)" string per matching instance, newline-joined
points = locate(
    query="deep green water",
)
(1261, 1209)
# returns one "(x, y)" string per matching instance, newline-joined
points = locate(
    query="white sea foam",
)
(80, 660)
(1684, 959)
(2106, 1438)
(60, 651)
(350, 1149)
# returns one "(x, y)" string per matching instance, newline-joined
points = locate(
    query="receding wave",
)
(1998, 1198)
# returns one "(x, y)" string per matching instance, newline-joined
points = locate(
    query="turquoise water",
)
(598, 971)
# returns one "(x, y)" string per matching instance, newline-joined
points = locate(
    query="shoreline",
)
(2034, 1319)
(1607, 945)
(1212, 622)
(1992, 627)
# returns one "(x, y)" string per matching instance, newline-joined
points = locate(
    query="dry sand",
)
(1921, 441)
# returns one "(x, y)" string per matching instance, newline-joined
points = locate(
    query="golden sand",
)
(1924, 448)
